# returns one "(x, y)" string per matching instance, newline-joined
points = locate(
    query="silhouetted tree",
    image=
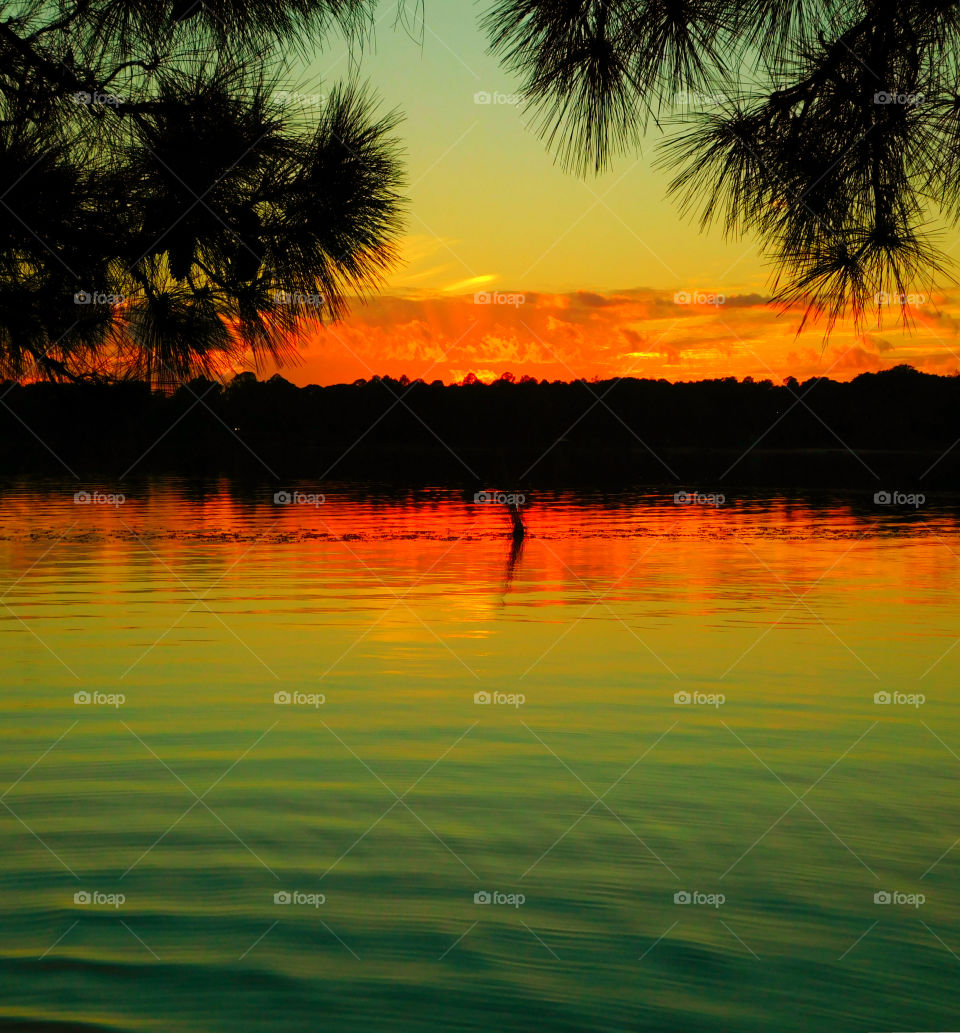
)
(831, 128)
(165, 211)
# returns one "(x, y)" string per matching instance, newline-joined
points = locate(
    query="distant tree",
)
(830, 128)
(165, 212)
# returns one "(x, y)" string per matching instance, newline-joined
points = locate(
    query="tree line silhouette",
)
(818, 433)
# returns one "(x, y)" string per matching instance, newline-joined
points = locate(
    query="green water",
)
(587, 805)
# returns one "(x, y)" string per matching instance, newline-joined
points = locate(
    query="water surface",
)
(583, 798)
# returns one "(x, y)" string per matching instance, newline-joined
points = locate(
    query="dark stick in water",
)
(518, 529)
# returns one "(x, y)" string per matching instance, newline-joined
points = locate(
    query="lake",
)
(358, 762)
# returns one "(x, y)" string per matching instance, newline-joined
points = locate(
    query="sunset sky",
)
(592, 266)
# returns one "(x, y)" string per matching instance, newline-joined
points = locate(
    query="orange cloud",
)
(642, 332)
